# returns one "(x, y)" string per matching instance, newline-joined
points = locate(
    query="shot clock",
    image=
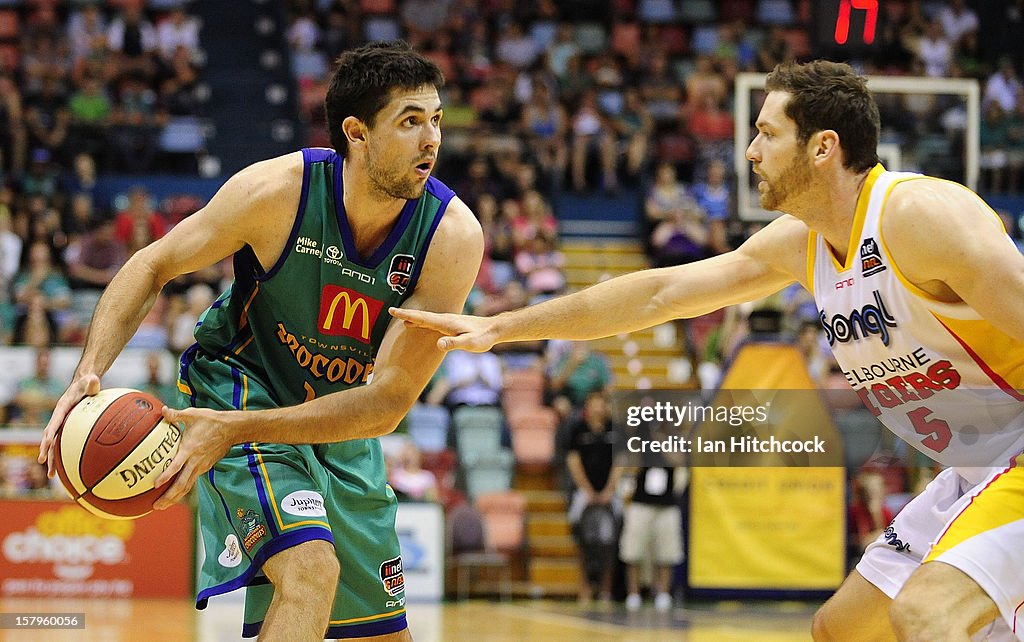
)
(846, 28)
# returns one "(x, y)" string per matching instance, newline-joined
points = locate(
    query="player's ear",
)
(355, 131)
(826, 144)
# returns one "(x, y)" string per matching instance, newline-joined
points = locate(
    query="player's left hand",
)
(203, 444)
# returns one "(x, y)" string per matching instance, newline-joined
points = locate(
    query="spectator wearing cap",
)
(42, 178)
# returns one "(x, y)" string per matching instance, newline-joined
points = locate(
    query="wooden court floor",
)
(173, 620)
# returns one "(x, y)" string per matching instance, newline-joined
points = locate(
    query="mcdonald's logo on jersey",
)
(347, 313)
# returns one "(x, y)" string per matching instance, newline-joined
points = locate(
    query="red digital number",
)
(870, 7)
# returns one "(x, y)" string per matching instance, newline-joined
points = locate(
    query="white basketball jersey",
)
(936, 374)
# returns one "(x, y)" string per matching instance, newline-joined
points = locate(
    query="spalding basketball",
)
(111, 449)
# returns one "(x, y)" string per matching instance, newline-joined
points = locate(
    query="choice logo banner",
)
(56, 549)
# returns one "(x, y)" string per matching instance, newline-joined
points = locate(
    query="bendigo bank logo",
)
(347, 313)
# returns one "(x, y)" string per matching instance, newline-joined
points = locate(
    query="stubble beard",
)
(390, 184)
(794, 179)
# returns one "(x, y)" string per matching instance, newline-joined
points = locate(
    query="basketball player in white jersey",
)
(921, 294)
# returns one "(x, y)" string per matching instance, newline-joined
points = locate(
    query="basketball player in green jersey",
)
(298, 366)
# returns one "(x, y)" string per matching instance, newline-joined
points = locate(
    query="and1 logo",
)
(401, 272)
(391, 576)
(347, 313)
(253, 525)
(870, 258)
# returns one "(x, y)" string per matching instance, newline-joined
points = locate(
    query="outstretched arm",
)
(767, 262)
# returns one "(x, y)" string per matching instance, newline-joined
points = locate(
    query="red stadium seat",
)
(10, 26)
(377, 6)
(626, 38)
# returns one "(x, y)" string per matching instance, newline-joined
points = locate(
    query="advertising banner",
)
(57, 549)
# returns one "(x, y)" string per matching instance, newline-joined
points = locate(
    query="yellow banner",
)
(767, 528)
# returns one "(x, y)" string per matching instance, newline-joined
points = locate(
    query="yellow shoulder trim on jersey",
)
(858, 221)
(812, 249)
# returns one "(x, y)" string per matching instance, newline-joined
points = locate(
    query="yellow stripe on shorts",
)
(998, 504)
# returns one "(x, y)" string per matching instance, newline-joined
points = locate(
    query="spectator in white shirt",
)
(177, 30)
(957, 20)
(1003, 86)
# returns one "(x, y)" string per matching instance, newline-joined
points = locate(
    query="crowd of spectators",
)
(544, 98)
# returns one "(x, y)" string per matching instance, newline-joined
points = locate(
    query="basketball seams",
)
(133, 423)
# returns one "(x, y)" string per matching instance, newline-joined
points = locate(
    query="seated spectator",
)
(184, 314)
(473, 379)
(13, 139)
(408, 478)
(41, 277)
(177, 29)
(10, 250)
(38, 394)
(85, 25)
(42, 179)
(157, 384)
(574, 375)
(90, 109)
(714, 196)
(545, 125)
(95, 258)
(995, 157)
(34, 325)
(935, 50)
(633, 127)
(540, 266)
(958, 21)
(533, 220)
(515, 47)
(139, 218)
(136, 119)
(592, 133)
(868, 513)
(134, 40)
(47, 117)
(680, 239)
(1004, 86)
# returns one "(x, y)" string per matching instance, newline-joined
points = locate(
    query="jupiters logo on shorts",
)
(391, 576)
(401, 272)
(304, 503)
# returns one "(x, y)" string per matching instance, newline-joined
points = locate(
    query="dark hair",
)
(364, 79)
(830, 95)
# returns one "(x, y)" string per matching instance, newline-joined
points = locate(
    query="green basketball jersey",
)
(312, 323)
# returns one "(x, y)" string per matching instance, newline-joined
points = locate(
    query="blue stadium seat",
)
(428, 427)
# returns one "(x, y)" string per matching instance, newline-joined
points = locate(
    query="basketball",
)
(111, 449)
